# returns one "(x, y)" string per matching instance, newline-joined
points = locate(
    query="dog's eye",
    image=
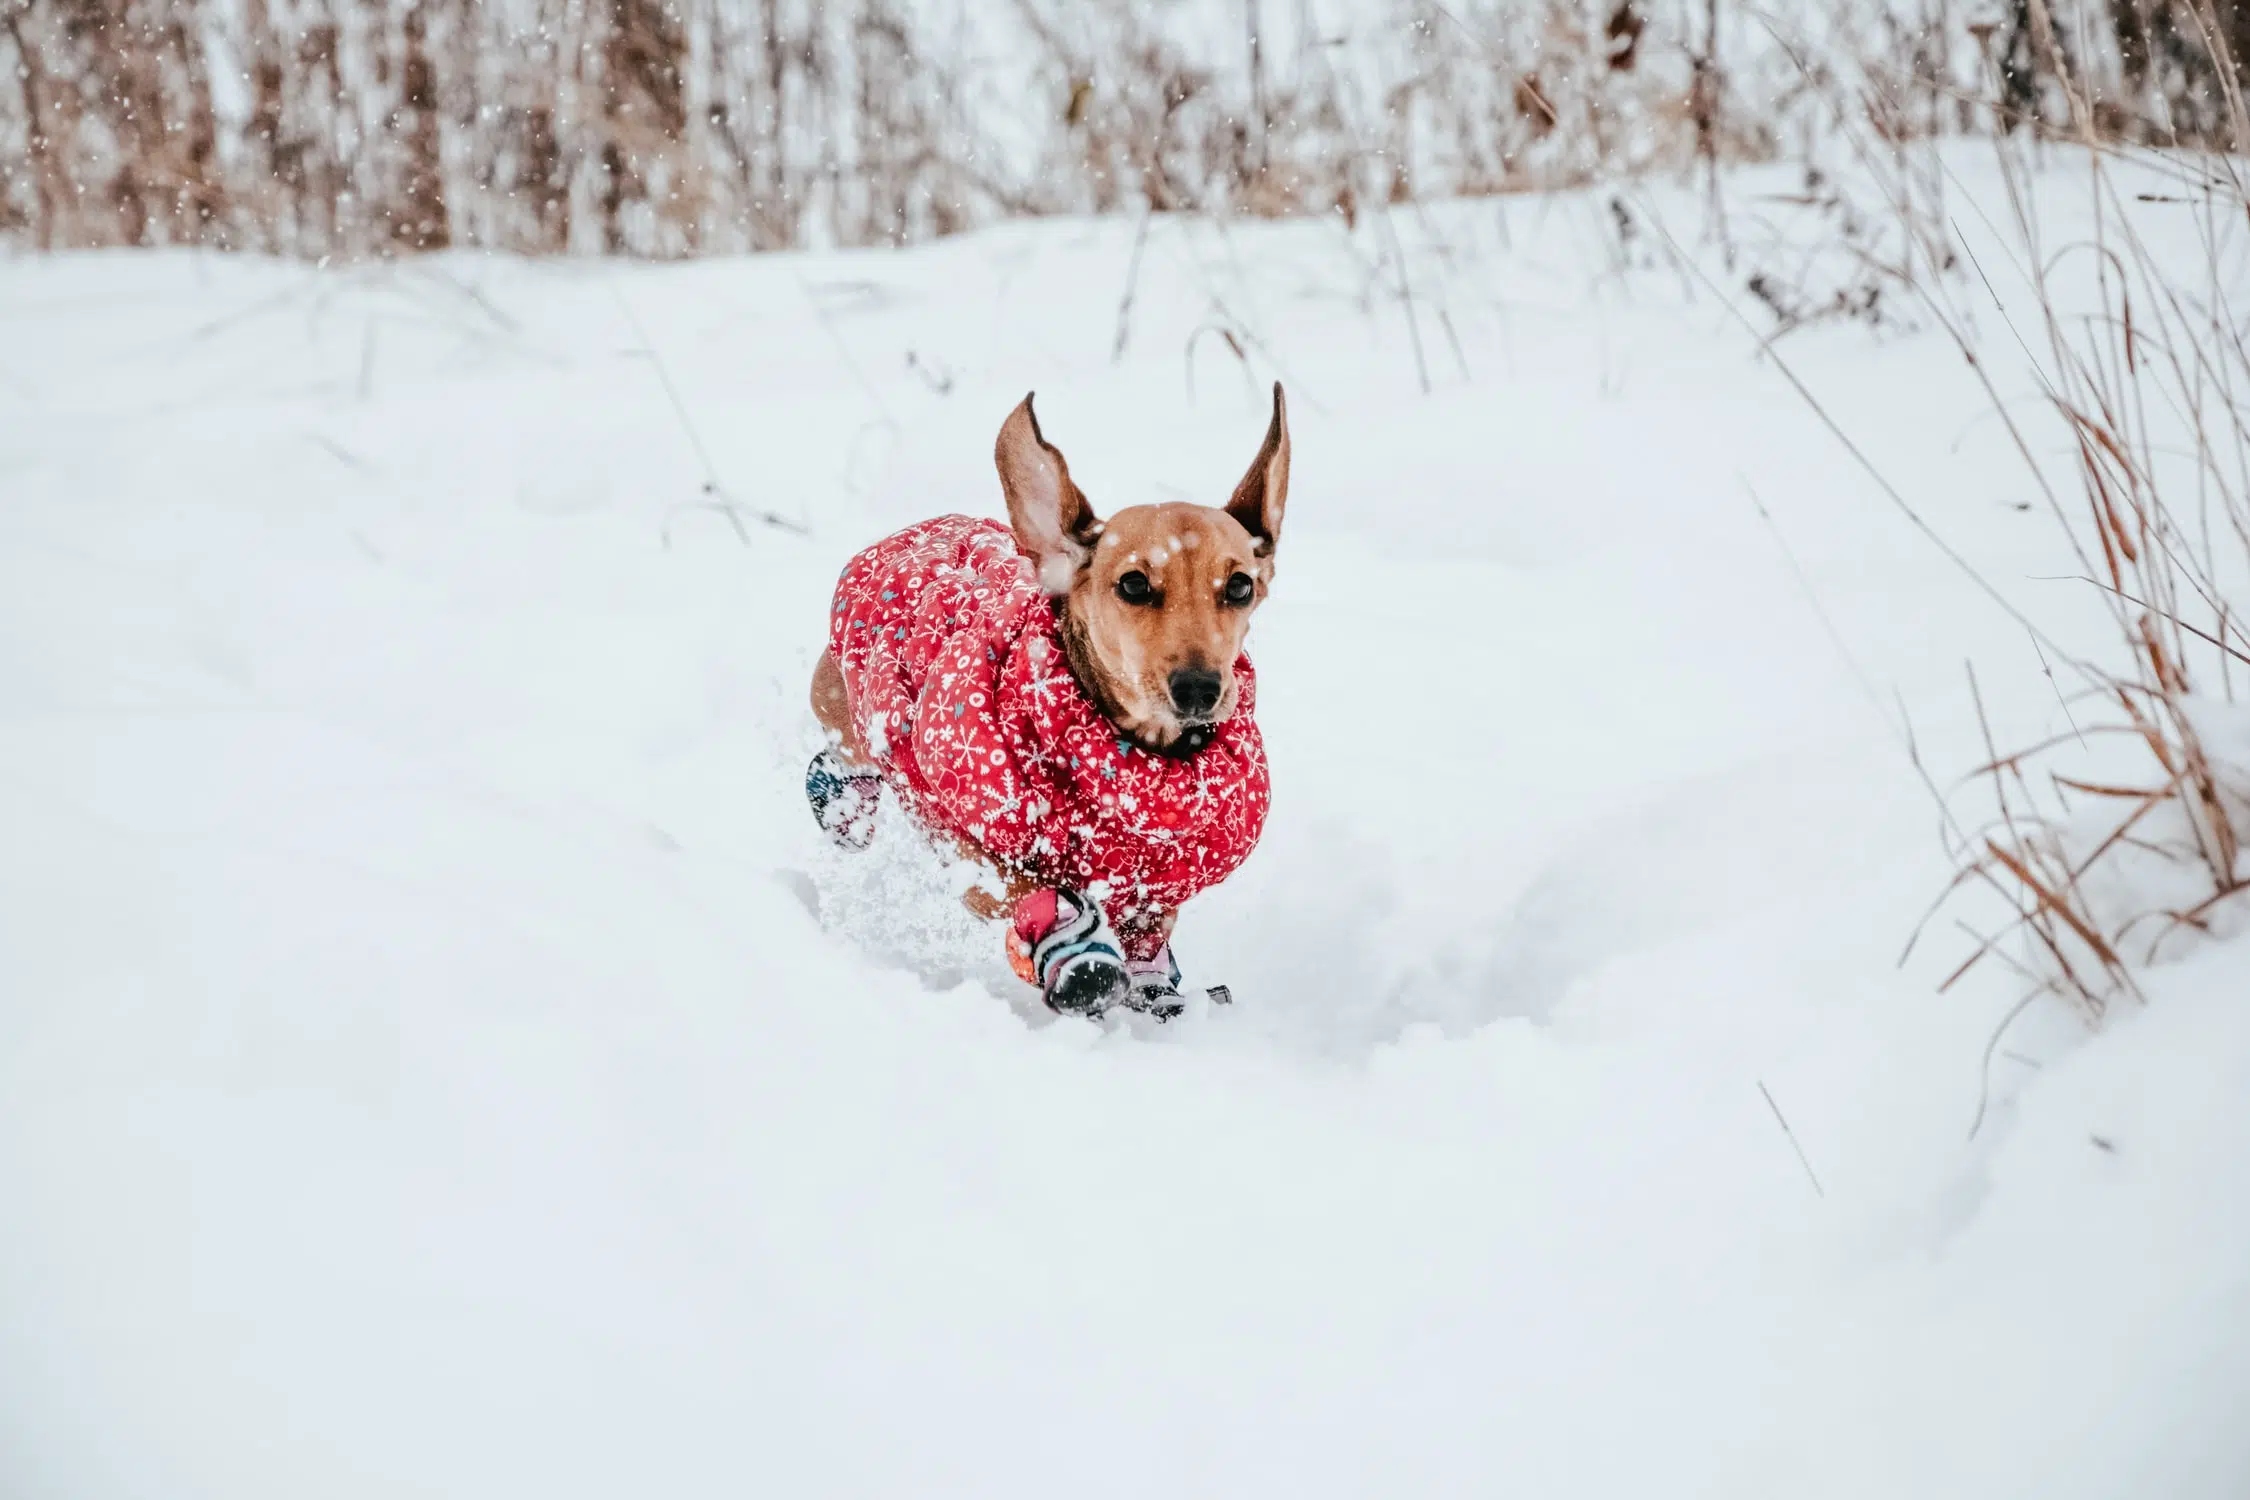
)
(1240, 590)
(1133, 588)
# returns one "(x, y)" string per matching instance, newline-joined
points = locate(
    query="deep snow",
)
(439, 1056)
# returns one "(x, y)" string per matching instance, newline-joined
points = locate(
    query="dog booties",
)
(843, 800)
(952, 656)
(1058, 942)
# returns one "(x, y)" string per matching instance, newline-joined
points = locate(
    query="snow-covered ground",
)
(438, 1055)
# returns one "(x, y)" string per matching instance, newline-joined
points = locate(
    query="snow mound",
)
(439, 1055)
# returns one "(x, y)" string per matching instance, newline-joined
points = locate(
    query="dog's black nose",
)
(1195, 692)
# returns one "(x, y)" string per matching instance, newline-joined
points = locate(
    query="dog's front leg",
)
(981, 900)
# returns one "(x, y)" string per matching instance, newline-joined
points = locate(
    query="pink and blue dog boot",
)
(843, 799)
(1155, 984)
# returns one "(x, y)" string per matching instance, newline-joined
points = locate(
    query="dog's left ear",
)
(1264, 492)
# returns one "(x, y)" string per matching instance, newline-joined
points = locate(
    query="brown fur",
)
(1125, 652)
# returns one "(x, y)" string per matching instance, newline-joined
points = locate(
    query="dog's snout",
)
(1195, 692)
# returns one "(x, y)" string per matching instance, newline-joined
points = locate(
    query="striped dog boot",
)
(1060, 942)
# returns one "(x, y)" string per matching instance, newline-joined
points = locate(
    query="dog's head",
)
(1156, 599)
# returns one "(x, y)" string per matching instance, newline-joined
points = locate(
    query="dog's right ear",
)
(1054, 525)
(1264, 492)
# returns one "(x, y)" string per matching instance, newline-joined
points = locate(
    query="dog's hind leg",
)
(832, 705)
(848, 760)
(842, 783)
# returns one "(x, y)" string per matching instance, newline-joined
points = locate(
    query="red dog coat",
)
(953, 657)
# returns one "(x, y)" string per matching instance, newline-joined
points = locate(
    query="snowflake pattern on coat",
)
(953, 658)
